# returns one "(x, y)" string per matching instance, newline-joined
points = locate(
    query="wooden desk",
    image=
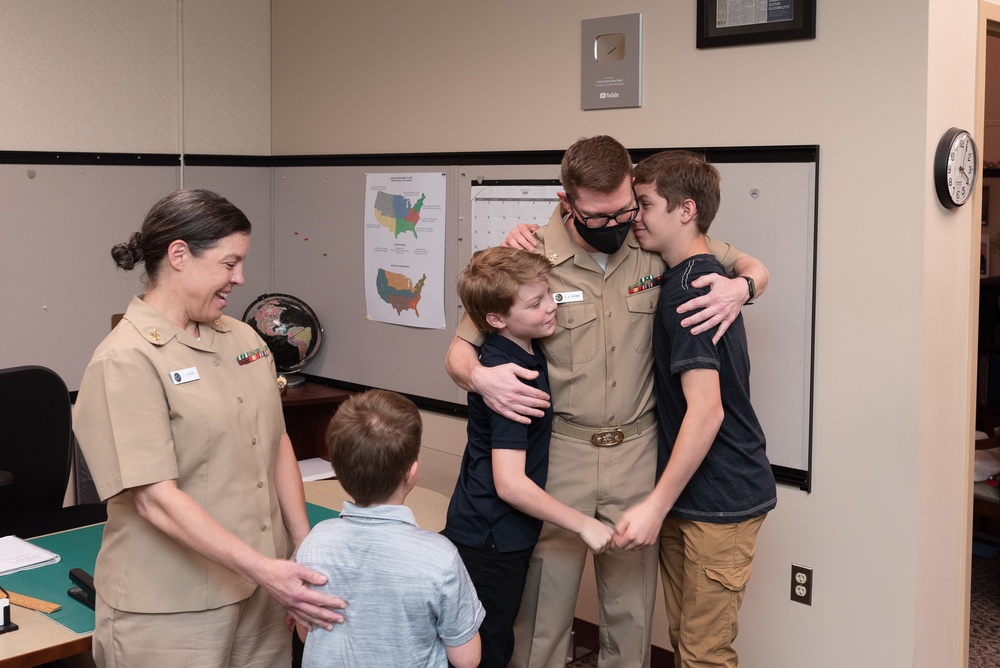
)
(308, 409)
(38, 640)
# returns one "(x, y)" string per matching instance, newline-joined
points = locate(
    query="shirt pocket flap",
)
(644, 301)
(571, 316)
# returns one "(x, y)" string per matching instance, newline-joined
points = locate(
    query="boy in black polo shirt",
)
(499, 503)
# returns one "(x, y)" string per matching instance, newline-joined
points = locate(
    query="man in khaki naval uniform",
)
(602, 457)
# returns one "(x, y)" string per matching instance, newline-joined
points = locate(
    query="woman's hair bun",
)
(127, 255)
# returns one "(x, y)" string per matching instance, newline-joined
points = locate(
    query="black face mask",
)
(607, 239)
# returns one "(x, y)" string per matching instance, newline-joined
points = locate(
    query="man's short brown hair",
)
(681, 175)
(373, 440)
(597, 163)
(491, 281)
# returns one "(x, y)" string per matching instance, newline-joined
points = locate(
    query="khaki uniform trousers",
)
(248, 633)
(601, 482)
(706, 568)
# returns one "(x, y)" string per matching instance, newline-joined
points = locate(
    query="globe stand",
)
(294, 379)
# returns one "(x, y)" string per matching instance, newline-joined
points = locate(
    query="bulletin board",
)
(60, 214)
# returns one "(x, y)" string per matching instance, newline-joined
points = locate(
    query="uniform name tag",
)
(566, 297)
(182, 376)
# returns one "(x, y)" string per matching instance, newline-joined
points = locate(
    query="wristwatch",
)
(753, 290)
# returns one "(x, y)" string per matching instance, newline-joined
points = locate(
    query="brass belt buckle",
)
(607, 438)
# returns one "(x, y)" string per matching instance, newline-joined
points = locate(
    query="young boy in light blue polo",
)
(410, 601)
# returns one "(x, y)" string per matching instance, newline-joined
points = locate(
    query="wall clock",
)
(956, 162)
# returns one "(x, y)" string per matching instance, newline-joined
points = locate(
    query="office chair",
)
(36, 439)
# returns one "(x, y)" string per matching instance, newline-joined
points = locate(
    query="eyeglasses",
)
(602, 219)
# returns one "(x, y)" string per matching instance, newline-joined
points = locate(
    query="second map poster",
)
(404, 248)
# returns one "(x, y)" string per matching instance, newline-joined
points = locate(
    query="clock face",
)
(955, 165)
(961, 168)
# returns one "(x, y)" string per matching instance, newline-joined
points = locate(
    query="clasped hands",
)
(637, 529)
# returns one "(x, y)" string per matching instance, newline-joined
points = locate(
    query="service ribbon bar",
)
(252, 355)
(645, 283)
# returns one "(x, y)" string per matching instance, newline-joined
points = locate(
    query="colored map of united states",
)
(398, 290)
(394, 213)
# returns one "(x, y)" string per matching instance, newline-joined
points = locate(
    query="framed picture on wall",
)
(730, 22)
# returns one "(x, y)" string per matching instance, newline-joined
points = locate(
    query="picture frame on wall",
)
(732, 22)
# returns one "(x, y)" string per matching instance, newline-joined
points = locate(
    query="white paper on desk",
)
(17, 554)
(315, 469)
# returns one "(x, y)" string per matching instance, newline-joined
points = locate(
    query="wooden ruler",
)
(33, 603)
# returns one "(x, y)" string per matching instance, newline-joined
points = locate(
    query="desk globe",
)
(291, 330)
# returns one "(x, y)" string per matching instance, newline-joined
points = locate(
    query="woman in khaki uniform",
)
(179, 417)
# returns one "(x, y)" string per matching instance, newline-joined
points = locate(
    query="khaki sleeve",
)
(121, 421)
(727, 254)
(468, 332)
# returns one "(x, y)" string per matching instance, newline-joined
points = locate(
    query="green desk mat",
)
(78, 548)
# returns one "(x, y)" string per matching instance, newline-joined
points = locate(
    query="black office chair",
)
(36, 446)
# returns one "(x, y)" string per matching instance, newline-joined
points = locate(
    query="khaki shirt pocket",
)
(576, 337)
(642, 310)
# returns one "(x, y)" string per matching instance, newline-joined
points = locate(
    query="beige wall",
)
(105, 76)
(887, 525)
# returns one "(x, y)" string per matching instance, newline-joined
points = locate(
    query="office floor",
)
(587, 645)
(984, 613)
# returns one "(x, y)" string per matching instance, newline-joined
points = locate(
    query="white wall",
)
(886, 527)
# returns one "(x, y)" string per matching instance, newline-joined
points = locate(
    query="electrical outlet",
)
(802, 584)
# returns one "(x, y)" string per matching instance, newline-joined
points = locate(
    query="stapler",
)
(84, 590)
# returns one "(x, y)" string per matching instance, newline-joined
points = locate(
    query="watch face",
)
(961, 168)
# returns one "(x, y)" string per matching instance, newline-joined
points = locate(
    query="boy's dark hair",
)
(681, 175)
(491, 281)
(598, 163)
(373, 440)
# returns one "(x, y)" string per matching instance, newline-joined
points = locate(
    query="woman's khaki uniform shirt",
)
(157, 404)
